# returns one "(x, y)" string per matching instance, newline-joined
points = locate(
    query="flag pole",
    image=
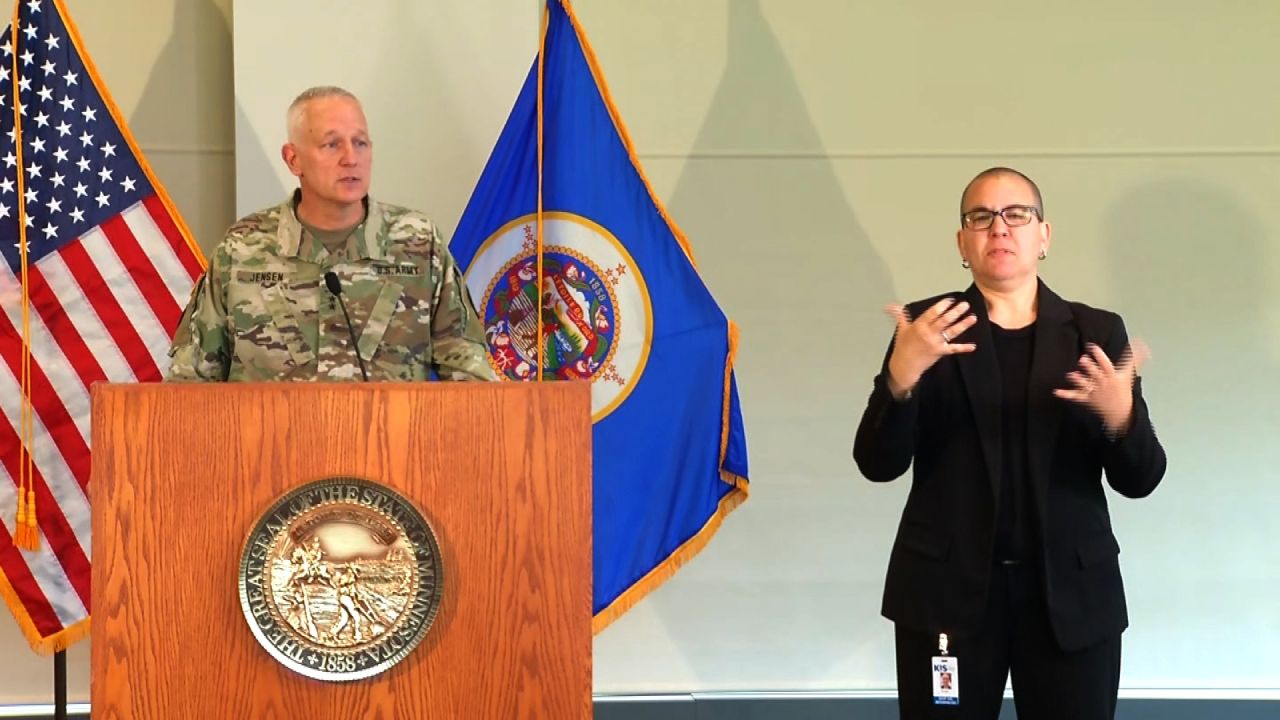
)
(60, 685)
(541, 242)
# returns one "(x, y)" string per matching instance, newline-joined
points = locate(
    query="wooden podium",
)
(501, 471)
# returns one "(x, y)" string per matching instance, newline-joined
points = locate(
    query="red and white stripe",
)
(103, 308)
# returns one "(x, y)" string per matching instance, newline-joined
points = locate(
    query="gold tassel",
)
(20, 527)
(33, 530)
(27, 537)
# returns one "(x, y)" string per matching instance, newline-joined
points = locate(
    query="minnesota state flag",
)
(579, 274)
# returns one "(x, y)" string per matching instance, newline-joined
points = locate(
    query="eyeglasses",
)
(1014, 216)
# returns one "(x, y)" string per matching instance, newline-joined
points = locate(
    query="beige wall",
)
(813, 151)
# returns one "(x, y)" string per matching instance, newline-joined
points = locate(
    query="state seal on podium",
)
(340, 579)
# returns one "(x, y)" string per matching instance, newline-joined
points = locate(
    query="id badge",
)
(946, 675)
(946, 681)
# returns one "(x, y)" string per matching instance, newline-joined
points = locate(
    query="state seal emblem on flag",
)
(597, 320)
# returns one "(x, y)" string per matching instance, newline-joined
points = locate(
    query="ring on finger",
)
(945, 337)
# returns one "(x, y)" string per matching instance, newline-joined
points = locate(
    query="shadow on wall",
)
(184, 121)
(784, 254)
(254, 167)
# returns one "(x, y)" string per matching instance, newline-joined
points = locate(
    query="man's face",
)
(331, 154)
(1002, 256)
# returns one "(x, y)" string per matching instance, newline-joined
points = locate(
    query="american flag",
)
(109, 265)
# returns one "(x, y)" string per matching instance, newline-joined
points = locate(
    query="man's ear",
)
(289, 153)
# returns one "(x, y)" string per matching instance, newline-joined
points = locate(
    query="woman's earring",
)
(1043, 254)
(964, 263)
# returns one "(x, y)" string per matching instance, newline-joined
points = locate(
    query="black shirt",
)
(1015, 518)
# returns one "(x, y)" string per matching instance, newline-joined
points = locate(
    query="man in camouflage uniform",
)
(262, 310)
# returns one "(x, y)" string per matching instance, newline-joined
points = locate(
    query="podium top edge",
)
(560, 387)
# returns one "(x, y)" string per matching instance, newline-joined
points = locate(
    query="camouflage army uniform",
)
(262, 312)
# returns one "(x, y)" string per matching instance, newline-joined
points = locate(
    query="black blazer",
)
(940, 566)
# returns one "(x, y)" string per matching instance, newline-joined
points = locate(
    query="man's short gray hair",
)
(293, 118)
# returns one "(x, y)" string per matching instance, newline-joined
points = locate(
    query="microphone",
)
(335, 288)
